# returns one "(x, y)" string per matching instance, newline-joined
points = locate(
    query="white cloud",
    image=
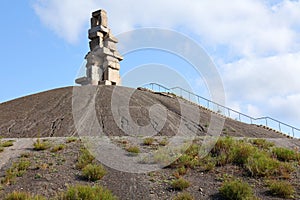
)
(287, 106)
(66, 18)
(257, 78)
(270, 85)
(248, 26)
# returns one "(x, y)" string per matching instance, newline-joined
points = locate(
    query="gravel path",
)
(21, 145)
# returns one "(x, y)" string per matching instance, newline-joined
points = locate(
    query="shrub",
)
(281, 189)
(261, 164)
(84, 158)
(23, 196)
(223, 145)
(262, 143)
(284, 154)
(184, 196)
(285, 169)
(236, 189)
(208, 163)
(241, 152)
(193, 150)
(7, 143)
(148, 141)
(185, 160)
(180, 184)
(81, 192)
(17, 170)
(1, 149)
(223, 150)
(40, 146)
(25, 155)
(182, 170)
(163, 142)
(22, 165)
(58, 147)
(71, 139)
(133, 149)
(93, 172)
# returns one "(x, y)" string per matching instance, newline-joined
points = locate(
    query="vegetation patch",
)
(39, 145)
(7, 143)
(23, 196)
(236, 189)
(281, 189)
(71, 139)
(82, 192)
(286, 155)
(180, 184)
(133, 149)
(57, 148)
(262, 143)
(163, 142)
(148, 141)
(183, 196)
(93, 172)
(17, 170)
(84, 158)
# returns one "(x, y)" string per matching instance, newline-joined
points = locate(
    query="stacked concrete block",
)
(103, 59)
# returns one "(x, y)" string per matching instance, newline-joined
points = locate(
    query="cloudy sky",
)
(255, 45)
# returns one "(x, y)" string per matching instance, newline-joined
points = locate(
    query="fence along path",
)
(227, 112)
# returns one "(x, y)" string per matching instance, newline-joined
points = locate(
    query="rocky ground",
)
(52, 172)
(50, 116)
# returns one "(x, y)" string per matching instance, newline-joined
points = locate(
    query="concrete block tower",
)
(103, 59)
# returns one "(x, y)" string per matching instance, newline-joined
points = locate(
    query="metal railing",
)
(227, 112)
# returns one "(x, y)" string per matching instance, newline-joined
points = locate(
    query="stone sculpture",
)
(103, 59)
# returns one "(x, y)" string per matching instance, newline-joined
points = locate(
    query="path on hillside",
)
(22, 145)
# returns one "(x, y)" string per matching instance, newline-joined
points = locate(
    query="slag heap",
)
(103, 59)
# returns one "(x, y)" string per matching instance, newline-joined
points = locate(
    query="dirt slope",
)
(49, 114)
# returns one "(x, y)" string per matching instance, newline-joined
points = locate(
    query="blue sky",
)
(255, 45)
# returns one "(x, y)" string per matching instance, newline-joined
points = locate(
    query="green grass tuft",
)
(84, 158)
(282, 189)
(133, 149)
(57, 148)
(236, 189)
(183, 196)
(180, 184)
(23, 196)
(39, 145)
(93, 172)
(148, 141)
(285, 155)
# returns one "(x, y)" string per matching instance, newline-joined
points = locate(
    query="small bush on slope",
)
(180, 184)
(236, 189)
(84, 158)
(184, 196)
(282, 189)
(22, 196)
(285, 155)
(93, 172)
